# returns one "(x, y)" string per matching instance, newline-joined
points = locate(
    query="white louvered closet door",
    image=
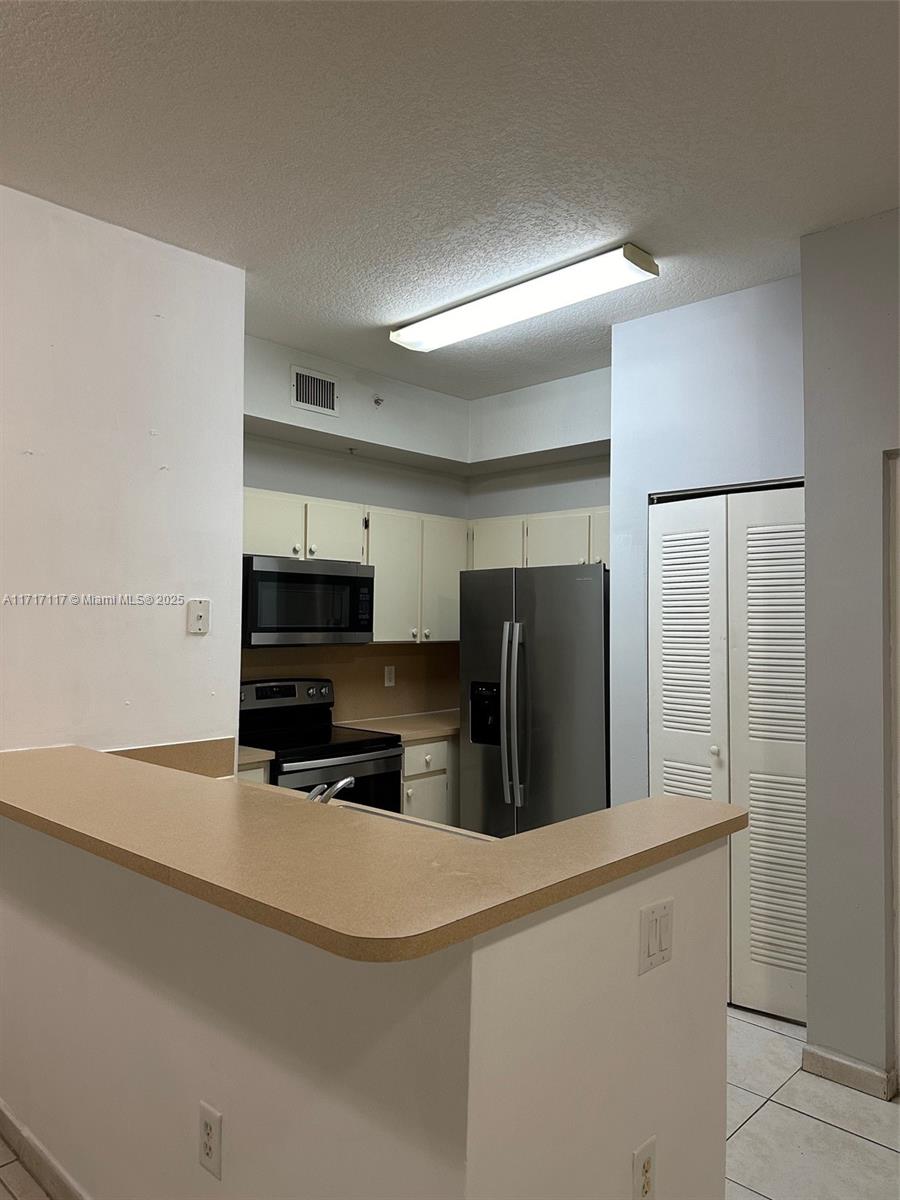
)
(767, 671)
(688, 629)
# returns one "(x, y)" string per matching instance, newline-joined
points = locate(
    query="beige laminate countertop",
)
(412, 727)
(249, 756)
(359, 885)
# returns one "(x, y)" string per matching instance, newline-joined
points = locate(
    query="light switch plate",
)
(390, 676)
(198, 616)
(656, 928)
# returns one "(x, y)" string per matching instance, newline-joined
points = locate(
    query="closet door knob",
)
(715, 751)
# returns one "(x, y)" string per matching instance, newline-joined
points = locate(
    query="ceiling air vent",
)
(312, 391)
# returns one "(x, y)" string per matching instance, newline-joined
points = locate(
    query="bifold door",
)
(728, 711)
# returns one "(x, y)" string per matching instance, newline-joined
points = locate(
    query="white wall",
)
(121, 403)
(286, 467)
(547, 416)
(550, 488)
(564, 412)
(852, 417)
(703, 396)
(576, 1059)
(411, 418)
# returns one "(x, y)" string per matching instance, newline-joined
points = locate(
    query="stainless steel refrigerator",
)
(534, 696)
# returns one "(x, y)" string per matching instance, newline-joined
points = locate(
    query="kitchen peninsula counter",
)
(356, 884)
(413, 727)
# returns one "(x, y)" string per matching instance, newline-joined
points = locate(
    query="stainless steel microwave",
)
(291, 602)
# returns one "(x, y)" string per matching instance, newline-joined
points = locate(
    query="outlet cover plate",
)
(656, 928)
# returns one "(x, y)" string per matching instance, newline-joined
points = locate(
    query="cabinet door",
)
(444, 548)
(335, 531)
(428, 799)
(557, 539)
(599, 535)
(273, 523)
(395, 551)
(767, 652)
(498, 542)
(688, 643)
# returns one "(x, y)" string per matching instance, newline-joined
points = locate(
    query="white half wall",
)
(121, 405)
(703, 396)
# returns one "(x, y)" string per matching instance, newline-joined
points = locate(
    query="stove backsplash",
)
(427, 676)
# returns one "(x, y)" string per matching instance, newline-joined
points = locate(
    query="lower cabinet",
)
(253, 775)
(430, 781)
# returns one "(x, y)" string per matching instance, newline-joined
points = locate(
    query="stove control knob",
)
(323, 691)
(311, 692)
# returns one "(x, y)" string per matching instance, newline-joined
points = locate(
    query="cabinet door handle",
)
(414, 633)
(427, 633)
(298, 548)
(427, 760)
(409, 793)
(313, 549)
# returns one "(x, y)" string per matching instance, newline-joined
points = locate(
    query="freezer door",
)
(561, 694)
(485, 616)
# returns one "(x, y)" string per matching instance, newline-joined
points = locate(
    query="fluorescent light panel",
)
(566, 285)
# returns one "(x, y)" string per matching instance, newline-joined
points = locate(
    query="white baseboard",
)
(37, 1159)
(850, 1072)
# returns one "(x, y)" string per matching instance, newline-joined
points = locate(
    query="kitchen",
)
(510, 587)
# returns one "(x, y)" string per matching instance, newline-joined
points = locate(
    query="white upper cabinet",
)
(335, 531)
(395, 553)
(273, 523)
(557, 539)
(498, 542)
(444, 548)
(599, 535)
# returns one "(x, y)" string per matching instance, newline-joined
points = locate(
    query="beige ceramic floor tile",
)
(20, 1183)
(788, 1028)
(741, 1105)
(6, 1155)
(870, 1118)
(734, 1191)
(760, 1060)
(786, 1155)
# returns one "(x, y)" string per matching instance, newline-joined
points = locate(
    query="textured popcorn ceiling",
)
(371, 162)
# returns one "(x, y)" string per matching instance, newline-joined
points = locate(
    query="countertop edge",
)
(389, 949)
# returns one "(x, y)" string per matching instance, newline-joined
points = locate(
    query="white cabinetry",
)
(335, 531)
(273, 523)
(444, 549)
(557, 539)
(289, 526)
(498, 542)
(395, 552)
(599, 535)
(429, 781)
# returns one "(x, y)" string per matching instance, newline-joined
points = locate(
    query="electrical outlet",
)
(643, 1171)
(390, 676)
(211, 1139)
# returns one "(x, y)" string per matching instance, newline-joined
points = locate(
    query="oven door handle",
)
(345, 761)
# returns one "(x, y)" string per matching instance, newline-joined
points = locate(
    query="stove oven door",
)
(378, 776)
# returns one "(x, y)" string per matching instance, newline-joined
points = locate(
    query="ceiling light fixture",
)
(556, 289)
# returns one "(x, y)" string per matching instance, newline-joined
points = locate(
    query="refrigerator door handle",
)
(504, 706)
(517, 789)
